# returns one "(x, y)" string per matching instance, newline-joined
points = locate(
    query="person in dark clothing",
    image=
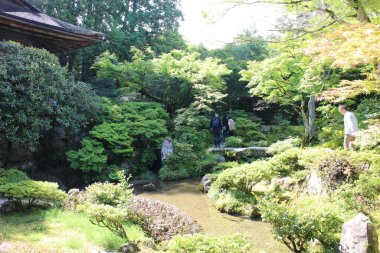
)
(216, 127)
(226, 128)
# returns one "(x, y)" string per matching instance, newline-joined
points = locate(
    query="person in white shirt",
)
(231, 126)
(350, 127)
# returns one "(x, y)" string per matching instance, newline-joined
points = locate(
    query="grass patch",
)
(63, 230)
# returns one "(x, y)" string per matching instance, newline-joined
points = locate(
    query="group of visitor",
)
(221, 128)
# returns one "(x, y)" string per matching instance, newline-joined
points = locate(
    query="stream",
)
(186, 196)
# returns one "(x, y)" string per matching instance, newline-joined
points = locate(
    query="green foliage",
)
(179, 165)
(108, 205)
(36, 95)
(116, 137)
(167, 174)
(286, 162)
(281, 146)
(130, 133)
(91, 157)
(247, 126)
(337, 169)
(15, 184)
(206, 165)
(207, 244)
(177, 79)
(124, 23)
(299, 222)
(234, 142)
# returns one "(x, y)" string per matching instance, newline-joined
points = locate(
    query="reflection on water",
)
(186, 196)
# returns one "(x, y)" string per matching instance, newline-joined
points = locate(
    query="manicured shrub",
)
(286, 162)
(234, 202)
(16, 185)
(91, 157)
(234, 142)
(234, 189)
(303, 220)
(162, 221)
(243, 178)
(108, 205)
(281, 146)
(200, 243)
(336, 170)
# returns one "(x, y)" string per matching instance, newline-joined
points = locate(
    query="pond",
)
(186, 196)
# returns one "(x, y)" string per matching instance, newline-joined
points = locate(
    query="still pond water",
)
(186, 196)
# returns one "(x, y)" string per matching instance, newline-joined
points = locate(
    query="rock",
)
(220, 159)
(73, 192)
(75, 196)
(359, 236)
(314, 184)
(149, 187)
(10, 206)
(206, 183)
(266, 128)
(129, 248)
(167, 149)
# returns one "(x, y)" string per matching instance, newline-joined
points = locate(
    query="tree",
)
(345, 48)
(279, 79)
(125, 23)
(36, 94)
(309, 17)
(177, 79)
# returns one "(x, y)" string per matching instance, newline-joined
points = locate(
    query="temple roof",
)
(22, 22)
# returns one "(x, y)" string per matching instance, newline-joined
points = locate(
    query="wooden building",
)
(22, 22)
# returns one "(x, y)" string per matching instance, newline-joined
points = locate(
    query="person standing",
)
(231, 126)
(350, 127)
(216, 127)
(226, 128)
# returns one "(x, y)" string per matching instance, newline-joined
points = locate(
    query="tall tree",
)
(125, 23)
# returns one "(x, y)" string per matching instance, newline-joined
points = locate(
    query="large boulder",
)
(315, 184)
(359, 236)
(149, 187)
(206, 183)
(167, 149)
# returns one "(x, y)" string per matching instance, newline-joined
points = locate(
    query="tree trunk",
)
(308, 118)
(361, 13)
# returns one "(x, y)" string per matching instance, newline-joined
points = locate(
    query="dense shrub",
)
(337, 169)
(368, 139)
(161, 220)
(363, 194)
(248, 127)
(234, 189)
(234, 142)
(108, 205)
(128, 137)
(199, 243)
(234, 202)
(281, 146)
(301, 221)
(181, 164)
(91, 157)
(16, 185)
(36, 94)
(286, 162)
(206, 165)
(168, 174)
(243, 178)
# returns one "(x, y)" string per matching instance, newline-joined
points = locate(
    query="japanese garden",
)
(118, 133)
